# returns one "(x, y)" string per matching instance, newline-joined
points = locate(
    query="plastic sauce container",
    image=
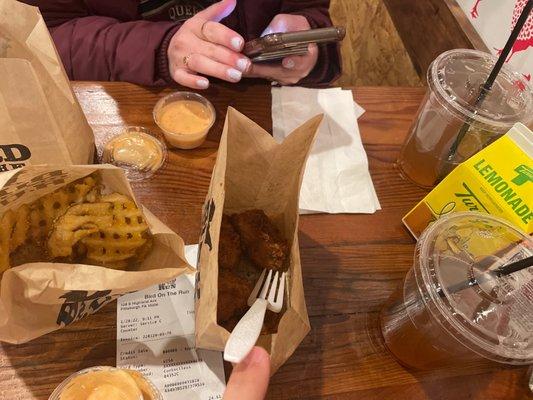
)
(106, 383)
(136, 151)
(185, 119)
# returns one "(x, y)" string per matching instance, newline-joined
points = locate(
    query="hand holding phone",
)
(276, 46)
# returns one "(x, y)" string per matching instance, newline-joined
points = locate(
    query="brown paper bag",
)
(41, 119)
(38, 298)
(253, 171)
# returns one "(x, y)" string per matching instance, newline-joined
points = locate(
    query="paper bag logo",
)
(13, 156)
(18, 186)
(79, 303)
(205, 237)
(525, 174)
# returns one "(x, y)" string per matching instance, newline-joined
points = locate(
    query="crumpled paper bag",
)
(253, 171)
(41, 119)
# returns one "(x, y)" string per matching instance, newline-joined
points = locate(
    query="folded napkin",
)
(336, 178)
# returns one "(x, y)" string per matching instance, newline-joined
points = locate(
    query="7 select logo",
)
(13, 156)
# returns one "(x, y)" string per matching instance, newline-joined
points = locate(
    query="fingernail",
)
(267, 31)
(243, 64)
(202, 83)
(289, 64)
(234, 75)
(236, 43)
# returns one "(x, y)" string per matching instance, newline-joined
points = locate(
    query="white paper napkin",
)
(336, 178)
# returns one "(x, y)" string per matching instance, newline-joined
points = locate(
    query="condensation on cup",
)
(454, 83)
(438, 318)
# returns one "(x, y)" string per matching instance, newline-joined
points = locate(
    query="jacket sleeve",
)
(328, 66)
(105, 49)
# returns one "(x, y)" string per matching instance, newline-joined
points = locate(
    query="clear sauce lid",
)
(136, 151)
(459, 257)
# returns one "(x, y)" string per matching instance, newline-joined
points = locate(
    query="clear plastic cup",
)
(147, 388)
(454, 80)
(437, 318)
(185, 135)
(137, 151)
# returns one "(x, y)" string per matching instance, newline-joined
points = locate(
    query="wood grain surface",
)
(351, 264)
(372, 51)
(429, 28)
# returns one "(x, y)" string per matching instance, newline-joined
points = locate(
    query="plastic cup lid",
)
(494, 318)
(456, 77)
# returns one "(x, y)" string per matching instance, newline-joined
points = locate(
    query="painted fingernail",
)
(202, 83)
(289, 64)
(236, 43)
(234, 75)
(243, 64)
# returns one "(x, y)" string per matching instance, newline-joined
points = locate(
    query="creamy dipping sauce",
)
(185, 117)
(137, 152)
(109, 384)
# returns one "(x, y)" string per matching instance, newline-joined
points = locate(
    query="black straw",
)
(487, 86)
(502, 271)
(515, 266)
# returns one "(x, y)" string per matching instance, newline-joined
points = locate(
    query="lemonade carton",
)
(498, 180)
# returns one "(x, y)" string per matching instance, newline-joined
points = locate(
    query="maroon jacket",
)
(127, 40)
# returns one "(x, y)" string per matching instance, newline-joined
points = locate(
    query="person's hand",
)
(292, 68)
(249, 379)
(204, 46)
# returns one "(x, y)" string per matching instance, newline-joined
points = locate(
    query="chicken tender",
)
(233, 293)
(261, 240)
(229, 247)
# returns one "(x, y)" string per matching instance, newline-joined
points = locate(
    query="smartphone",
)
(276, 46)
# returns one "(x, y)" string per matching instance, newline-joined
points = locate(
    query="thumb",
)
(277, 25)
(249, 379)
(218, 11)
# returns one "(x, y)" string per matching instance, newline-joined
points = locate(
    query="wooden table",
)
(351, 263)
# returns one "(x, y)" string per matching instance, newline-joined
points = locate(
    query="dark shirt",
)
(127, 40)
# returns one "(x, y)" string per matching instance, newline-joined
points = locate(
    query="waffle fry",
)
(19, 235)
(79, 221)
(127, 238)
(49, 207)
(75, 224)
(7, 223)
(14, 227)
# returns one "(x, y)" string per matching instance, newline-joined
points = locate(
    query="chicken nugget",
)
(229, 247)
(233, 293)
(261, 240)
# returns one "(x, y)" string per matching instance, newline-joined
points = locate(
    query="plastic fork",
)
(245, 334)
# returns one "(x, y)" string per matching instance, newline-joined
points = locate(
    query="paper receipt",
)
(155, 336)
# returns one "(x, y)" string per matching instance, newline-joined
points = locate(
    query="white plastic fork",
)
(245, 334)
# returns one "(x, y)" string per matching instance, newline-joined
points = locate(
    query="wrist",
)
(162, 61)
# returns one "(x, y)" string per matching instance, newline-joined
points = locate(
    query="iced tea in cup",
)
(106, 383)
(454, 83)
(185, 118)
(439, 316)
